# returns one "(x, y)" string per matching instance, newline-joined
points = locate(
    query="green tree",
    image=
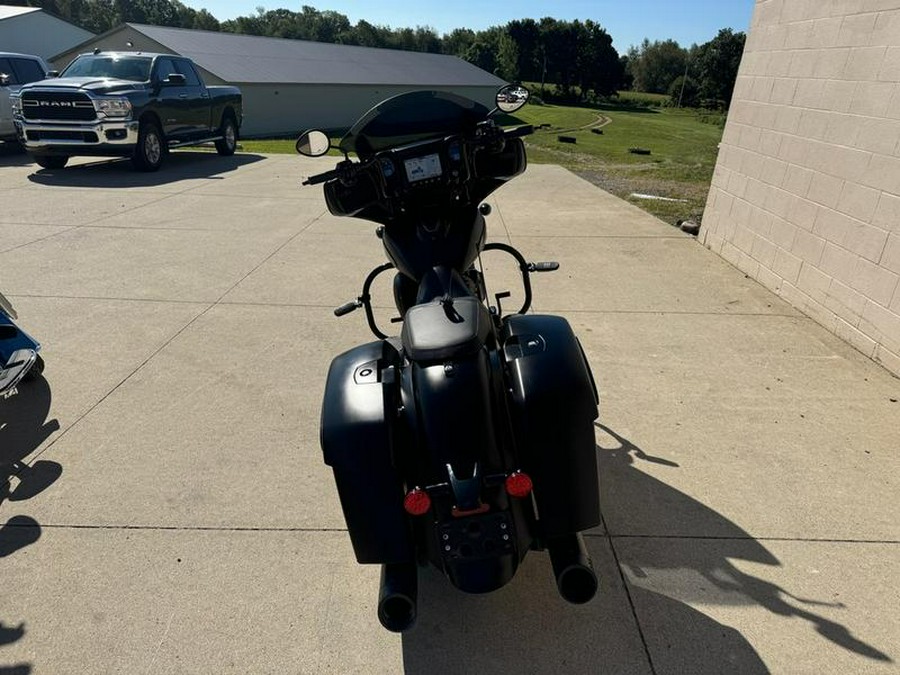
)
(458, 41)
(717, 65)
(482, 54)
(507, 58)
(684, 92)
(368, 35)
(597, 63)
(526, 35)
(656, 64)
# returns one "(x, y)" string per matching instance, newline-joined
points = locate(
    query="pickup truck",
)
(16, 70)
(125, 104)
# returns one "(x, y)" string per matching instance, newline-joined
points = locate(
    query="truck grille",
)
(52, 135)
(57, 105)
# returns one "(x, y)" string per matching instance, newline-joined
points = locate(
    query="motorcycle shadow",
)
(696, 570)
(23, 428)
(526, 627)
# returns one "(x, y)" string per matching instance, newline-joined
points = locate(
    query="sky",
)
(627, 21)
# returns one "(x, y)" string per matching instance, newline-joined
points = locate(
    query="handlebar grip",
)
(524, 130)
(347, 307)
(543, 267)
(320, 178)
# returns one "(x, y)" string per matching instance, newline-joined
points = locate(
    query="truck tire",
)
(148, 154)
(51, 161)
(226, 145)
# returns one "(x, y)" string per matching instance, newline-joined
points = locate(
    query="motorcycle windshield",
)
(408, 118)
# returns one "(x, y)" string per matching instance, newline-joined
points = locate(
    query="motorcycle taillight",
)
(417, 502)
(519, 484)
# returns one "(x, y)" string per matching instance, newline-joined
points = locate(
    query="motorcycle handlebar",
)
(518, 132)
(347, 307)
(321, 177)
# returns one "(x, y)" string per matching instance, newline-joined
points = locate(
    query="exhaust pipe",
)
(397, 596)
(573, 569)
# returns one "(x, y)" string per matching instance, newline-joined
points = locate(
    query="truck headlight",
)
(113, 107)
(16, 103)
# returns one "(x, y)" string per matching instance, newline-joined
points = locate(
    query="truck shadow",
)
(117, 172)
(525, 627)
(12, 154)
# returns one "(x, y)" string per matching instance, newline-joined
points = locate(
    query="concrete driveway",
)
(168, 510)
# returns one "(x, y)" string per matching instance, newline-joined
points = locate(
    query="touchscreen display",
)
(420, 168)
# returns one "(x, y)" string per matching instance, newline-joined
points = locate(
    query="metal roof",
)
(9, 11)
(252, 59)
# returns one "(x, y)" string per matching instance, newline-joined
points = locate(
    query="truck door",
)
(172, 100)
(198, 101)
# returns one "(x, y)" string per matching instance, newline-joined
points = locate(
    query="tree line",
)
(576, 57)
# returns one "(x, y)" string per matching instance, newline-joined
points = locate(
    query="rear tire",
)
(148, 154)
(51, 161)
(226, 145)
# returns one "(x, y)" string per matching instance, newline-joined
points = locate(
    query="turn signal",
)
(519, 484)
(417, 502)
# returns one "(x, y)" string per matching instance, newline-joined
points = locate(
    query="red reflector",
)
(519, 484)
(417, 502)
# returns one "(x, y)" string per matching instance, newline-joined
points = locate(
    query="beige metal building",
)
(806, 192)
(30, 30)
(291, 85)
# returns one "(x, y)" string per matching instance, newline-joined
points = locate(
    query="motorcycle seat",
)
(445, 329)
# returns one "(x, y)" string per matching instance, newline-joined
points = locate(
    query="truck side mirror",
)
(52, 73)
(4, 80)
(175, 79)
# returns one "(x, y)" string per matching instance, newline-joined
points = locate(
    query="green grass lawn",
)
(682, 149)
(641, 97)
(680, 164)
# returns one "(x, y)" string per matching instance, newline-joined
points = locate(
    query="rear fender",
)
(454, 416)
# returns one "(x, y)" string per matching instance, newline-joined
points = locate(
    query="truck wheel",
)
(228, 143)
(148, 154)
(51, 161)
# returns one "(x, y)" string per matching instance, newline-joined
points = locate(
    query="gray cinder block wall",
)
(806, 192)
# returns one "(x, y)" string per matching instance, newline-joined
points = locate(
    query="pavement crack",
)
(190, 323)
(702, 537)
(182, 528)
(627, 589)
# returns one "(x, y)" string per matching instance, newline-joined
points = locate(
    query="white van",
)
(16, 70)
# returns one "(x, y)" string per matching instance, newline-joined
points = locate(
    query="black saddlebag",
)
(357, 443)
(553, 404)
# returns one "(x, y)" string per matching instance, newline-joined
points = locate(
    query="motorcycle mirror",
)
(511, 97)
(313, 143)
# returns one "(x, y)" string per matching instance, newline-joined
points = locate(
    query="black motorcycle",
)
(468, 440)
